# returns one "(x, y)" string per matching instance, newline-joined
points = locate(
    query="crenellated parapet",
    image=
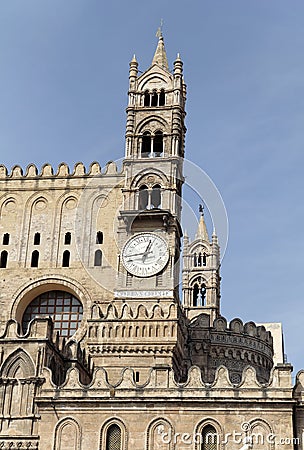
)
(234, 345)
(63, 170)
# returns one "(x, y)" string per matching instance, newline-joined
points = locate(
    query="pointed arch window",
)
(209, 438)
(143, 197)
(162, 97)
(195, 260)
(35, 259)
(146, 98)
(98, 258)
(3, 259)
(158, 143)
(199, 260)
(37, 238)
(113, 439)
(6, 239)
(204, 259)
(99, 237)
(66, 258)
(67, 238)
(156, 196)
(146, 144)
(199, 294)
(154, 99)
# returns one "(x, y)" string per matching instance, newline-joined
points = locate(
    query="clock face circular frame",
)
(145, 254)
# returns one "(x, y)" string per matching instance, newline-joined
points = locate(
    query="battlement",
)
(235, 346)
(63, 170)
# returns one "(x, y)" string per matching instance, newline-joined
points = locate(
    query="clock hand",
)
(145, 254)
(136, 254)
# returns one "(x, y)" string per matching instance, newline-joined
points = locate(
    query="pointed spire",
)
(160, 56)
(202, 232)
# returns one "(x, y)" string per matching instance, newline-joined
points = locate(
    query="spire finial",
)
(160, 56)
(159, 32)
(202, 232)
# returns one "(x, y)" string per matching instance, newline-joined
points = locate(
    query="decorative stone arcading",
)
(19, 443)
(194, 385)
(112, 311)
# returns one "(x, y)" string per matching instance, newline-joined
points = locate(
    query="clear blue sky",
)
(63, 84)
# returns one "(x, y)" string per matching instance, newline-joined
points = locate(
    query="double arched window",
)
(152, 145)
(149, 198)
(198, 293)
(199, 259)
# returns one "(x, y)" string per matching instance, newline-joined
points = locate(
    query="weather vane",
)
(201, 209)
(159, 32)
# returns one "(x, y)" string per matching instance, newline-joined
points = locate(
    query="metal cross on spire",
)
(159, 32)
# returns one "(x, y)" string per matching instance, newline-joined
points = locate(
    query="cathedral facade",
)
(100, 348)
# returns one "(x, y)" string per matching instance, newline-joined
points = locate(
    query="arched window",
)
(67, 238)
(199, 260)
(143, 198)
(195, 260)
(162, 98)
(204, 259)
(113, 439)
(199, 294)
(156, 196)
(66, 259)
(37, 239)
(146, 145)
(158, 144)
(147, 98)
(154, 99)
(65, 310)
(209, 438)
(6, 239)
(3, 259)
(99, 237)
(35, 258)
(98, 258)
(67, 435)
(195, 294)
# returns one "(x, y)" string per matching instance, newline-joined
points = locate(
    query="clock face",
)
(145, 254)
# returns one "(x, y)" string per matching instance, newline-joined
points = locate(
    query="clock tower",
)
(149, 231)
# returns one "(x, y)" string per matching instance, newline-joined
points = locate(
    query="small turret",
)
(133, 73)
(201, 280)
